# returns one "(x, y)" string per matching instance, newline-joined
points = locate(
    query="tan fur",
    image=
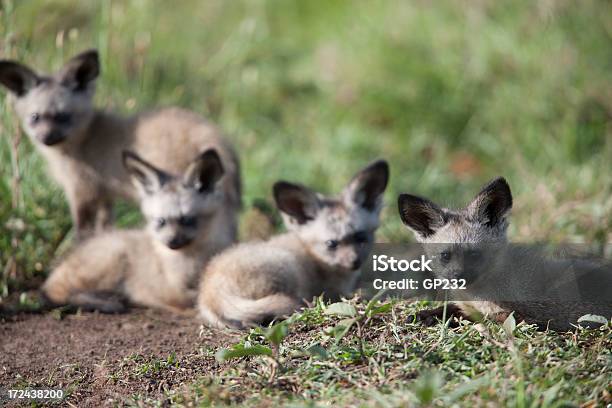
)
(131, 264)
(140, 265)
(91, 173)
(252, 283)
(87, 162)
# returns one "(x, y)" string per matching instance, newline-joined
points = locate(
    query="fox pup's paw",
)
(102, 301)
(500, 317)
(431, 317)
(427, 317)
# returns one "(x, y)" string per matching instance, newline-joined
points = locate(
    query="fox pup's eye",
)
(34, 118)
(62, 117)
(361, 237)
(188, 221)
(160, 222)
(473, 255)
(445, 256)
(331, 244)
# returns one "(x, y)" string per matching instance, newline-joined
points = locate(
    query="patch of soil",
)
(105, 359)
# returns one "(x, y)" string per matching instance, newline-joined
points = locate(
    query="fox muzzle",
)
(52, 138)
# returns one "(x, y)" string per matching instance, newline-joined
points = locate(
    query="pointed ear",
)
(17, 78)
(204, 172)
(422, 216)
(367, 187)
(145, 177)
(492, 204)
(81, 70)
(296, 201)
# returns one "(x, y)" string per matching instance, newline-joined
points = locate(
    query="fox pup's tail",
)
(237, 312)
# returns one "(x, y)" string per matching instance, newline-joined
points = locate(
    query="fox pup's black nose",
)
(178, 242)
(52, 138)
(356, 264)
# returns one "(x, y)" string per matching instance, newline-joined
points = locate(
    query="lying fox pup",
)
(327, 241)
(157, 266)
(472, 243)
(83, 145)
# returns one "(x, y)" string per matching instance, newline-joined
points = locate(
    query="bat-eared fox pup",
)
(157, 266)
(483, 221)
(473, 242)
(327, 241)
(83, 145)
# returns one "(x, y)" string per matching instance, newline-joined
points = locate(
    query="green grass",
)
(451, 94)
(386, 361)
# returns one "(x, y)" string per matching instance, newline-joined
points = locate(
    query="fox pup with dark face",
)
(472, 243)
(157, 266)
(83, 145)
(483, 221)
(327, 241)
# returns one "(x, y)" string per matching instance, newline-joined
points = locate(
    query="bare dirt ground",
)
(103, 360)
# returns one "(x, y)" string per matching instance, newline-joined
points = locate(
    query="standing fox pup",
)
(327, 241)
(157, 266)
(83, 145)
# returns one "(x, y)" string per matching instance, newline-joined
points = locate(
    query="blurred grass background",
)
(451, 93)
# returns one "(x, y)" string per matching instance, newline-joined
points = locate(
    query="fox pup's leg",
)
(182, 303)
(182, 311)
(104, 214)
(179, 301)
(102, 301)
(429, 317)
(91, 210)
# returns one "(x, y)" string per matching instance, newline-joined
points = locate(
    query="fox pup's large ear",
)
(204, 172)
(492, 204)
(146, 177)
(367, 187)
(422, 216)
(81, 70)
(296, 201)
(17, 78)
